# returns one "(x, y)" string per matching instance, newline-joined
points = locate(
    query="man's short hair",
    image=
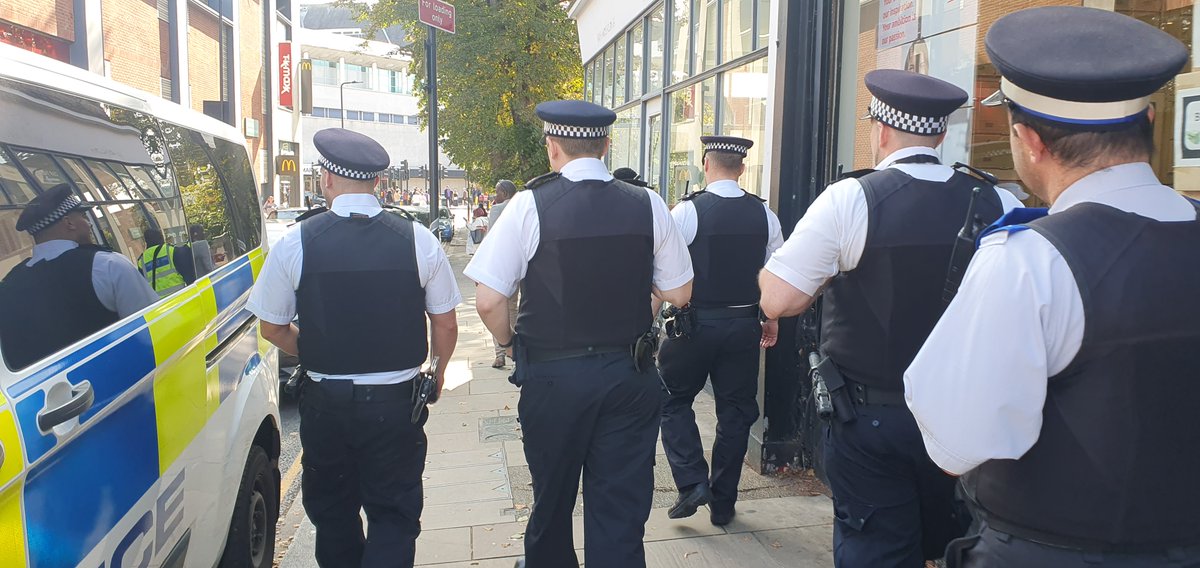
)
(506, 187)
(725, 161)
(153, 237)
(1081, 148)
(582, 147)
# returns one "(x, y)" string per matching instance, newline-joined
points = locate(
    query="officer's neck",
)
(1053, 177)
(716, 178)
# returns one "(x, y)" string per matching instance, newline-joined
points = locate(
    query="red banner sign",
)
(285, 74)
(437, 14)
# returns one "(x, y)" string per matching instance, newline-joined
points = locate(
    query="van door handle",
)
(82, 397)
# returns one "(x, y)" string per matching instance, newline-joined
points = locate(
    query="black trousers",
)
(727, 352)
(892, 505)
(361, 452)
(595, 416)
(995, 549)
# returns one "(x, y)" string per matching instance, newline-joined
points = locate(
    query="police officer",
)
(1061, 382)
(363, 282)
(588, 252)
(879, 245)
(69, 287)
(730, 234)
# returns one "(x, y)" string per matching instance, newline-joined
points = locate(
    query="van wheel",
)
(251, 540)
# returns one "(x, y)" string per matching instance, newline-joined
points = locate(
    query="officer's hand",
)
(770, 333)
(437, 393)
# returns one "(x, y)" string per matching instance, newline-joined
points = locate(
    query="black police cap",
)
(911, 102)
(1081, 66)
(48, 208)
(575, 119)
(350, 154)
(628, 175)
(732, 144)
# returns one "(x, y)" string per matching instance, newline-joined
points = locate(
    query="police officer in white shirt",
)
(588, 253)
(879, 246)
(363, 283)
(1062, 381)
(730, 234)
(69, 288)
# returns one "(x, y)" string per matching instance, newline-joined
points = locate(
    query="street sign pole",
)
(431, 84)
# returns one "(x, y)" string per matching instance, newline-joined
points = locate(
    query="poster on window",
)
(898, 23)
(938, 16)
(1187, 127)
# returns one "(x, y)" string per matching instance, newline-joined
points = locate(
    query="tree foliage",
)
(508, 56)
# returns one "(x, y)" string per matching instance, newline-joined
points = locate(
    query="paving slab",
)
(803, 547)
(468, 492)
(720, 551)
(464, 475)
(444, 545)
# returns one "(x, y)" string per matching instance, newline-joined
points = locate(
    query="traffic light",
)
(404, 168)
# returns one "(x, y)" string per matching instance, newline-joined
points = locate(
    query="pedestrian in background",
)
(589, 253)
(365, 283)
(1061, 383)
(476, 229)
(505, 190)
(269, 207)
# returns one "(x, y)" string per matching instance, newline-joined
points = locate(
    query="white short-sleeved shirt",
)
(685, 215)
(502, 259)
(118, 284)
(830, 238)
(273, 298)
(978, 386)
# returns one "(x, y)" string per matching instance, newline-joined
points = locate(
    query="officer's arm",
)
(285, 337)
(443, 335)
(780, 299)
(493, 310)
(676, 296)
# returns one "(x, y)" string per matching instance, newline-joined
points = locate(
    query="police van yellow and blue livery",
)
(153, 441)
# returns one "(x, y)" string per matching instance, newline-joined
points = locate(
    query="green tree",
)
(508, 56)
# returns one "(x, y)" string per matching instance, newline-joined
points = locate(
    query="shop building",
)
(788, 75)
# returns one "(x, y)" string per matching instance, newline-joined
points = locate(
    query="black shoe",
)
(520, 563)
(689, 500)
(720, 519)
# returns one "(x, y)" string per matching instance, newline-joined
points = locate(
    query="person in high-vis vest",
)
(167, 268)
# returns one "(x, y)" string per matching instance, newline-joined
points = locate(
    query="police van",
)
(153, 441)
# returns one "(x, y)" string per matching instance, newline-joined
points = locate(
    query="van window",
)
(204, 201)
(13, 183)
(242, 192)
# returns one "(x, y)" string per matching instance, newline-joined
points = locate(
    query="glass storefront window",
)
(744, 113)
(654, 151)
(945, 40)
(656, 48)
(704, 30)
(626, 146)
(637, 48)
(681, 33)
(597, 78)
(737, 29)
(762, 24)
(620, 66)
(606, 98)
(693, 114)
(587, 82)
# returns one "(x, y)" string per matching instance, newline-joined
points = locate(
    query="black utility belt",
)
(346, 390)
(537, 355)
(1188, 548)
(707, 314)
(864, 395)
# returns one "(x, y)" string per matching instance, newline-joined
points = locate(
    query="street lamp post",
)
(342, 94)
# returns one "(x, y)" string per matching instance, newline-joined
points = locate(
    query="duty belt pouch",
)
(643, 351)
(679, 322)
(843, 407)
(520, 361)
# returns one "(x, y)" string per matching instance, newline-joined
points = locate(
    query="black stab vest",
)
(1115, 466)
(50, 305)
(729, 249)
(360, 300)
(876, 317)
(589, 283)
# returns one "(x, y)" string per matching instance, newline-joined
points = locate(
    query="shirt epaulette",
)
(311, 213)
(535, 182)
(693, 195)
(856, 174)
(1014, 221)
(760, 199)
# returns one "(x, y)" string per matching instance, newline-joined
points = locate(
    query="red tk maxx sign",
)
(437, 14)
(285, 75)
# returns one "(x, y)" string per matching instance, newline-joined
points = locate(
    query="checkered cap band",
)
(347, 172)
(68, 205)
(568, 131)
(900, 120)
(726, 147)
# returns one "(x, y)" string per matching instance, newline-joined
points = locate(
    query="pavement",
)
(478, 493)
